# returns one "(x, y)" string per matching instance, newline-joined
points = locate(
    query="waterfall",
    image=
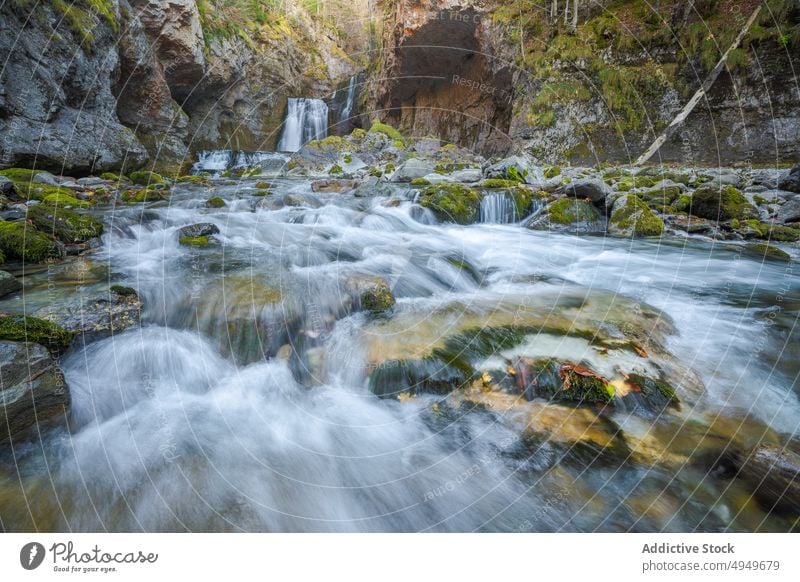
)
(306, 120)
(347, 110)
(498, 208)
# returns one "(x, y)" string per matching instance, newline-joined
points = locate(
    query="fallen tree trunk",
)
(701, 92)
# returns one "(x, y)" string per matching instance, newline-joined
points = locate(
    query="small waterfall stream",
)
(498, 208)
(347, 110)
(306, 120)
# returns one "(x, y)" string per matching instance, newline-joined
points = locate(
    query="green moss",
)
(112, 176)
(570, 211)
(18, 174)
(721, 203)
(420, 182)
(348, 159)
(661, 197)
(20, 328)
(64, 224)
(144, 195)
(637, 218)
(493, 183)
(766, 252)
(777, 233)
(215, 202)
(398, 143)
(358, 134)
(65, 200)
(197, 180)
(336, 169)
(452, 202)
(19, 240)
(512, 173)
(378, 298)
(552, 172)
(123, 291)
(385, 129)
(195, 241)
(29, 190)
(146, 178)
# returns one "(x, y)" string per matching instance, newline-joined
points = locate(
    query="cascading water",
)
(347, 110)
(242, 403)
(306, 120)
(498, 208)
(215, 161)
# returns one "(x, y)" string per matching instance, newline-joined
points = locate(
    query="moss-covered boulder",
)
(25, 187)
(196, 241)
(66, 225)
(19, 240)
(215, 202)
(376, 297)
(136, 196)
(452, 202)
(387, 130)
(631, 216)
(21, 328)
(561, 381)
(721, 202)
(146, 178)
(65, 201)
(571, 211)
(766, 252)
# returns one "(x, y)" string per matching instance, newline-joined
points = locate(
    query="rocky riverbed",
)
(387, 334)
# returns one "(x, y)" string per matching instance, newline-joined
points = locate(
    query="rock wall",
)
(141, 82)
(499, 77)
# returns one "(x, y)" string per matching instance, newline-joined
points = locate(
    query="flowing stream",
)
(242, 403)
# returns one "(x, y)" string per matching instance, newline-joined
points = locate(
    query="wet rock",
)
(372, 186)
(32, 388)
(394, 378)
(333, 185)
(467, 175)
(6, 186)
(98, 315)
(64, 224)
(514, 168)
(413, 168)
(198, 230)
(45, 178)
(8, 283)
(773, 473)
(791, 181)
(790, 211)
(19, 240)
(631, 217)
(692, 225)
(590, 188)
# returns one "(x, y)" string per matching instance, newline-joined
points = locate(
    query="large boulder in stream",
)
(412, 169)
(452, 202)
(597, 191)
(515, 168)
(32, 388)
(570, 215)
(721, 202)
(791, 181)
(632, 217)
(790, 211)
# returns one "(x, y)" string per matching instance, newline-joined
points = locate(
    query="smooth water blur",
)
(242, 404)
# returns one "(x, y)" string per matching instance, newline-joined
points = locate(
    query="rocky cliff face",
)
(104, 84)
(595, 85)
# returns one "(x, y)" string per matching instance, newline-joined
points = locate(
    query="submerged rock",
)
(376, 296)
(570, 215)
(773, 474)
(559, 381)
(199, 230)
(8, 283)
(96, 316)
(766, 252)
(333, 185)
(32, 388)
